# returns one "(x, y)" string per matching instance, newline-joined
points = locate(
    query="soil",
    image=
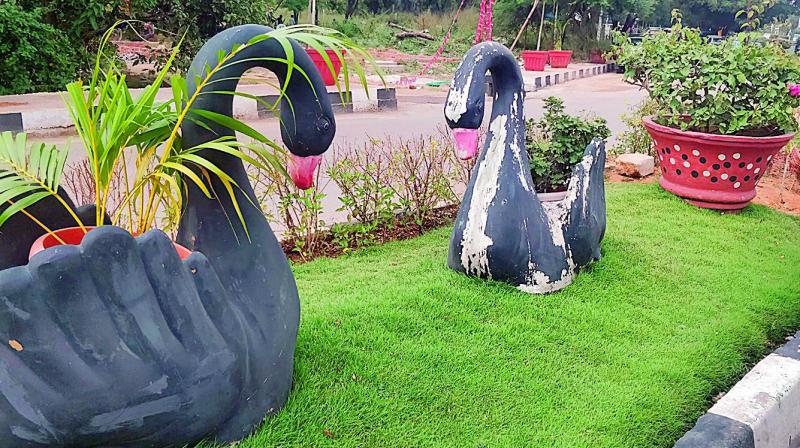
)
(400, 229)
(390, 54)
(770, 193)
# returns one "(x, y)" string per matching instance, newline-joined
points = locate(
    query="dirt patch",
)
(400, 229)
(390, 54)
(11, 104)
(770, 194)
(771, 191)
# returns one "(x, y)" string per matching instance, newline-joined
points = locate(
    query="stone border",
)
(346, 102)
(762, 410)
(55, 121)
(539, 82)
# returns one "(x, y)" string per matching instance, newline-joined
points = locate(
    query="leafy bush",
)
(34, 56)
(636, 139)
(363, 177)
(737, 87)
(421, 175)
(299, 211)
(414, 176)
(202, 19)
(557, 142)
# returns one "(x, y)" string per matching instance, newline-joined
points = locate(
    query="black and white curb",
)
(537, 82)
(376, 99)
(57, 120)
(760, 411)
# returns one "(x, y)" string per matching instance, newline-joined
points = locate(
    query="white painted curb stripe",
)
(767, 399)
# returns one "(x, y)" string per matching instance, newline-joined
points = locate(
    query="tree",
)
(714, 15)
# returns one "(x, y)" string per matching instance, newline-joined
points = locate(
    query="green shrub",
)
(202, 19)
(635, 138)
(34, 56)
(738, 87)
(557, 142)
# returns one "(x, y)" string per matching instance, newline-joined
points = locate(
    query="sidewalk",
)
(551, 76)
(46, 113)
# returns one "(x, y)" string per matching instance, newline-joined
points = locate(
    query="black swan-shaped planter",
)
(502, 231)
(119, 343)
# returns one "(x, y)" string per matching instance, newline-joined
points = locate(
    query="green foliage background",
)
(34, 56)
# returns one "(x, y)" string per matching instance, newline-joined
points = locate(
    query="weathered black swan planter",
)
(502, 231)
(117, 342)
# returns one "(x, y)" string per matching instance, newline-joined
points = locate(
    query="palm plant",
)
(29, 174)
(139, 138)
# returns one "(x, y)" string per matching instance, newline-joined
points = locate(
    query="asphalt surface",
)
(420, 112)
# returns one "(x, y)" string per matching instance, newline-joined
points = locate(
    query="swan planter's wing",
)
(502, 231)
(117, 342)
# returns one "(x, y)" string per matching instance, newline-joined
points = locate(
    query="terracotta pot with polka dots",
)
(712, 171)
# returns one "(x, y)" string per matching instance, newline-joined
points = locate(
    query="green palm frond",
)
(28, 174)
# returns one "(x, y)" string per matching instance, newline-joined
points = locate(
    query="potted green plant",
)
(555, 143)
(559, 58)
(140, 139)
(723, 110)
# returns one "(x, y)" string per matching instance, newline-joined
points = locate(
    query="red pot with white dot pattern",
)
(712, 171)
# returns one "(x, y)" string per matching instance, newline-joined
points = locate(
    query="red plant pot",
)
(719, 172)
(327, 77)
(560, 58)
(534, 60)
(74, 236)
(596, 56)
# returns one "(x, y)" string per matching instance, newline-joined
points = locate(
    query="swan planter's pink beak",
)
(466, 143)
(303, 170)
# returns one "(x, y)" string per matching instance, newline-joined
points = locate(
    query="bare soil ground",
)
(772, 190)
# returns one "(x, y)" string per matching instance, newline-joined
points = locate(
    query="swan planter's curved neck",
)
(502, 231)
(118, 342)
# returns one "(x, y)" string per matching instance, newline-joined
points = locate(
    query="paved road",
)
(421, 113)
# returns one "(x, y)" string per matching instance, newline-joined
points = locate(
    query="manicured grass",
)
(397, 350)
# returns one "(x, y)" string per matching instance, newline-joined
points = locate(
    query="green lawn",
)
(397, 350)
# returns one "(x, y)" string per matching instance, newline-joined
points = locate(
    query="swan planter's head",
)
(503, 232)
(118, 342)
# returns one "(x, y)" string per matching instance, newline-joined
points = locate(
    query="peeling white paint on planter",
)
(475, 244)
(457, 101)
(558, 217)
(529, 242)
(515, 149)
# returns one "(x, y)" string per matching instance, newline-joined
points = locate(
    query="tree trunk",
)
(351, 9)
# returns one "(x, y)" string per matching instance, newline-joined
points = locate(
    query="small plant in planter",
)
(723, 110)
(555, 143)
(559, 58)
(140, 139)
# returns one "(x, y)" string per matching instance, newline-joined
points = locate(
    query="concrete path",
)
(606, 96)
(46, 113)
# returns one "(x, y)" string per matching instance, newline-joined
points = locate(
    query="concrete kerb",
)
(760, 411)
(54, 118)
(538, 80)
(342, 102)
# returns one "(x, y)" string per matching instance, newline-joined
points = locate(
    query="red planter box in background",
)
(534, 60)
(596, 56)
(719, 172)
(560, 58)
(327, 77)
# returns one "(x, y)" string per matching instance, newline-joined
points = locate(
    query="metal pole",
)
(541, 27)
(599, 25)
(525, 24)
